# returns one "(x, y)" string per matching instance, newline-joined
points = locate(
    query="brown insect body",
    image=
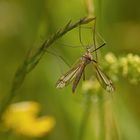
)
(74, 75)
(85, 60)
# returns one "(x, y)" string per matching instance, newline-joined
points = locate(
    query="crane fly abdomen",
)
(78, 77)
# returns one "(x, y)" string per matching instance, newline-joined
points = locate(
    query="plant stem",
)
(98, 116)
(101, 115)
(86, 113)
(89, 7)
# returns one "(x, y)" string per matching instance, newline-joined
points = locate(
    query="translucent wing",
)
(104, 80)
(78, 77)
(68, 77)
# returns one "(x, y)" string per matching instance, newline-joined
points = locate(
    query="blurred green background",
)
(25, 24)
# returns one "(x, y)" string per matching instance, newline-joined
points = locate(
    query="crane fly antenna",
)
(98, 48)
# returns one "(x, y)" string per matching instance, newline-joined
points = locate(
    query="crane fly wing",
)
(103, 79)
(78, 77)
(68, 77)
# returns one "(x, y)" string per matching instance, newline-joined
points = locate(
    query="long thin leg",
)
(80, 37)
(94, 40)
(52, 53)
(99, 35)
(96, 34)
(70, 46)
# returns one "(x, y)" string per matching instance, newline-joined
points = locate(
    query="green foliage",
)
(91, 113)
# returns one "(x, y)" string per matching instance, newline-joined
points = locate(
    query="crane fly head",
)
(87, 57)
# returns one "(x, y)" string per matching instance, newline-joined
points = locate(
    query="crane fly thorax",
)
(87, 58)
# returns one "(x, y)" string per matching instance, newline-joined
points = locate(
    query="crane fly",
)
(75, 73)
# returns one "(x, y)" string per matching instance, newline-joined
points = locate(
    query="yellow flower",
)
(124, 65)
(110, 58)
(22, 119)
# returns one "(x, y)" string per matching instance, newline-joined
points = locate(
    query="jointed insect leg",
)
(54, 54)
(80, 38)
